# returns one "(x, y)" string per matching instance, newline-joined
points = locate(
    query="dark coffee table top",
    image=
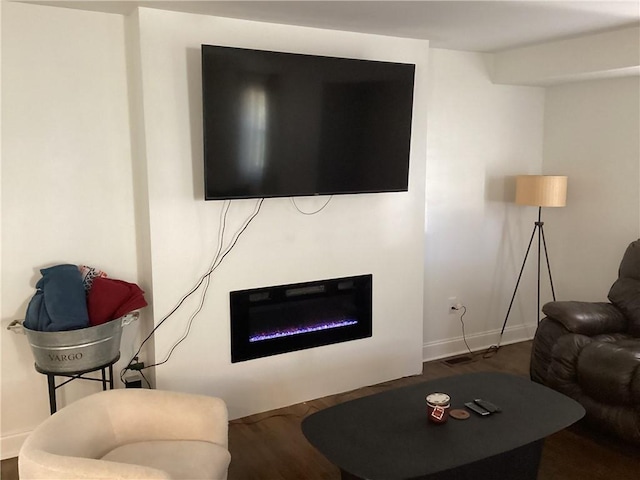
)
(388, 436)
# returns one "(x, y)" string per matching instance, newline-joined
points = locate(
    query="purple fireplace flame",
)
(298, 330)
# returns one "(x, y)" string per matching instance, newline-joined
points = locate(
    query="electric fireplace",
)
(278, 319)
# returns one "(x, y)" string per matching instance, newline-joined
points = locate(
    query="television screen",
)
(283, 124)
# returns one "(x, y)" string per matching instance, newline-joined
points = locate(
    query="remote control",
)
(477, 409)
(487, 405)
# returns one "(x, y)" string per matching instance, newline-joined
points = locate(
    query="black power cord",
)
(464, 337)
(217, 260)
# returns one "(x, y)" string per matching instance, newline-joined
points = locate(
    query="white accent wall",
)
(379, 234)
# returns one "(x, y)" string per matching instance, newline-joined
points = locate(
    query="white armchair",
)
(131, 433)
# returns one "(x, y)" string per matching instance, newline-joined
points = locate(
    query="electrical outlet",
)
(133, 380)
(453, 305)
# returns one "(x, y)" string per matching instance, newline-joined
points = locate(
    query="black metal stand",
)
(539, 227)
(51, 379)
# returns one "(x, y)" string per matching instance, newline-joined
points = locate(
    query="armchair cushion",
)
(625, 292)
(601, 372)
(606, 371)
(44, 465)
(586, 318)
(182, 459)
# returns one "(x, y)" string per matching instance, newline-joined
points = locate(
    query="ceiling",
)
(482, 26)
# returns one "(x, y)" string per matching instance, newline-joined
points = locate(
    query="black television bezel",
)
(305, 193)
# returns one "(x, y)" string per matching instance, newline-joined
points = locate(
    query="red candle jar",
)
(438, 407)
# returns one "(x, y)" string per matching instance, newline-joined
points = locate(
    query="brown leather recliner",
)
(590, 351)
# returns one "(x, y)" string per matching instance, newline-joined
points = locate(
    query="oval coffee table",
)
(387, 436)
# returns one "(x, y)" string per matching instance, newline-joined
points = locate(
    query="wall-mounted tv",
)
(284, 124)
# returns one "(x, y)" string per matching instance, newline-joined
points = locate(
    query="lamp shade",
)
(541, 190)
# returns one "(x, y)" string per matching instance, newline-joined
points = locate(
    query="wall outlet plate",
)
(453, 305)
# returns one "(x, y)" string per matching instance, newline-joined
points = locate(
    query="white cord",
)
(293, 200)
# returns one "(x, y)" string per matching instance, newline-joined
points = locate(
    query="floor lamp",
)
(539, 191)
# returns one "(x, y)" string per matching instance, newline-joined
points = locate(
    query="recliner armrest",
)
(587, 318)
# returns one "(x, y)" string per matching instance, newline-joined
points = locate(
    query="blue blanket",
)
(60, 302)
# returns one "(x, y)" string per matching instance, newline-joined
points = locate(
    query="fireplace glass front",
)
(273, 320)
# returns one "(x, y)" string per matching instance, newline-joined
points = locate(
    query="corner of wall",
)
(140, 174)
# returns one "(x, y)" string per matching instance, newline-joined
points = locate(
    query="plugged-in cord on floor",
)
(491, 351)
(457, 308)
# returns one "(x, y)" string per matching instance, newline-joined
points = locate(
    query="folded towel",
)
(110, 299)
(60, 302)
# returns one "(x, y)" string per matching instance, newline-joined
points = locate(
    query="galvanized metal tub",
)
(77, 350)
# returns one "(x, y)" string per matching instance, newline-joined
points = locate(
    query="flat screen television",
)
(284, 124)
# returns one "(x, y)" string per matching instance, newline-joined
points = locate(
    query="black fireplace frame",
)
(241, 302)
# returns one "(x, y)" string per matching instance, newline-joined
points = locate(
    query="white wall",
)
(356, 234)
(480, 135)
(592, 134)
(66, 178)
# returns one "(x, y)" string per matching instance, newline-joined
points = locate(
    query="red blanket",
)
(109, 299)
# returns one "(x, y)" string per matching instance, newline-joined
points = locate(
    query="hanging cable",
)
(293, 201)
(464, 337)
(215, 264)
(217, 260)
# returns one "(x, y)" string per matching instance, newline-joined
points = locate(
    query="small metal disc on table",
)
(459, 414)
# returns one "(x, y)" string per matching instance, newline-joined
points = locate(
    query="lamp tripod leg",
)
(539, 224)
(506, 318)
(546, 255)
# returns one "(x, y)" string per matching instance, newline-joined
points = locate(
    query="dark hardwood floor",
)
(9, 469)
(270, 445)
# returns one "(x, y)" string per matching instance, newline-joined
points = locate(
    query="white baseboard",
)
(456, 346)
(10, 444)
